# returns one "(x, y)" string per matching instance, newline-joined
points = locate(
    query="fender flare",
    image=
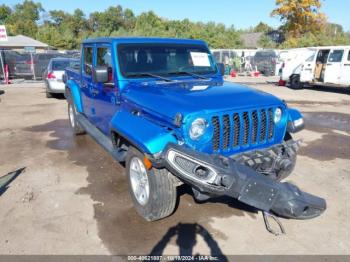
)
(145, 135)
(295, 121)
(75, 94)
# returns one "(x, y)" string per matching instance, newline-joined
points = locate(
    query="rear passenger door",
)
(334, 66)
(345, 72)
(86, 80)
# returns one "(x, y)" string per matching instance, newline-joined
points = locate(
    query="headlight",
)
(278, 115)
(197, 129)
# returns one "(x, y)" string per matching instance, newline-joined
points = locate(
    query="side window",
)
(104, 58)
(88, 60)
(336, 56)
(349, 56)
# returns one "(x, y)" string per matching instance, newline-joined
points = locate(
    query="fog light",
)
(201, 171)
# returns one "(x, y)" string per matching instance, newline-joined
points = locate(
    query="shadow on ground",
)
(330, 89)
(186, 238)
(121, 229)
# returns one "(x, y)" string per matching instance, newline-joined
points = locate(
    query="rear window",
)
(62, 65)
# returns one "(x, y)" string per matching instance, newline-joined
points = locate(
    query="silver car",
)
(52, 76)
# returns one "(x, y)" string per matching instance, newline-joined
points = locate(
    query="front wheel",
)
(153, 191)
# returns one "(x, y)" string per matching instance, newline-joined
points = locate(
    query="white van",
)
(328, 66)
(293, 60)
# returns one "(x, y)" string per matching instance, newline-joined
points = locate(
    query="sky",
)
(240, 13)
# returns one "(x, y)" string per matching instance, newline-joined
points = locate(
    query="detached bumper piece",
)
(217, 175)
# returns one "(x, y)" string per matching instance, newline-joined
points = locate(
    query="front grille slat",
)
(238, 129)
(216, 135)
(271, 126)
(254, 126)
(226, 131)
(263, 125)
(245, 128)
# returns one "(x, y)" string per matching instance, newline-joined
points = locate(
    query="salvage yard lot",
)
(72, 196)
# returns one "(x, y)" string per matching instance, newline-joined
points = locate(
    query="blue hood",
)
(168, 99)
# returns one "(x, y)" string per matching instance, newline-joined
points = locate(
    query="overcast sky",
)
(242, 14)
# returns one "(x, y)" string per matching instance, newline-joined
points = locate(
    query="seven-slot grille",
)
(242, 129)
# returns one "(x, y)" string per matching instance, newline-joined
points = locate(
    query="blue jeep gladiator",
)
(161, 106)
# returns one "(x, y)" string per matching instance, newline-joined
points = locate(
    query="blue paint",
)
(143, 109)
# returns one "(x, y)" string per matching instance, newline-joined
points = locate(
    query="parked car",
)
(267, 62)
(329, 66)
(162, 107)
(54, 72)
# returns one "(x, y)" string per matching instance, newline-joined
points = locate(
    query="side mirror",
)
(221, 68)
(100, 74)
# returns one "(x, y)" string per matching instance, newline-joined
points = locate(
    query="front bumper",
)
(217, 175)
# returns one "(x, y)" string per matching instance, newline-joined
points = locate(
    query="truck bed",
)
(72, 74)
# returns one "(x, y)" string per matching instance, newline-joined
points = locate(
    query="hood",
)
(168, 99)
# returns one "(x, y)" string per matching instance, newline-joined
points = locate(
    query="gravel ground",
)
(70, 196)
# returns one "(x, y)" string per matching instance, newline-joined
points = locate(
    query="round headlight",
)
(278, 115)
(197, 129)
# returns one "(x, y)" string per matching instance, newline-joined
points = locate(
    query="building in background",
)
(24, 43)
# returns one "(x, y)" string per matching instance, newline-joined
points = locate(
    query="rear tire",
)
(295, 82)
(48, 94)
(153, 191)
(77, 129)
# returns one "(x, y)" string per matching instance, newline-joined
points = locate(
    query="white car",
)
(54, 73)
(328, 66)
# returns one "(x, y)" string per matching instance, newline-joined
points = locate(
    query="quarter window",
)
(88, 60)
(336, 56)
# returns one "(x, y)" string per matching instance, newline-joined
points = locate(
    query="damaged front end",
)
(215, 175)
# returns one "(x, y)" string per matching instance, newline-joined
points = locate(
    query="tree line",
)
(302, 23)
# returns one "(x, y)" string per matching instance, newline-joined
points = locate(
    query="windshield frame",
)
(170, 74)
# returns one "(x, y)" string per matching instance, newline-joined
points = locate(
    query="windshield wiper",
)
(188, 73)
(151, 75)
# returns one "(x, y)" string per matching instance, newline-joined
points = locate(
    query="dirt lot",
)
(72, 196)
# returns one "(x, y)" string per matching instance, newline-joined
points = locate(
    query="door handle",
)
(329, 64)
(346, 64)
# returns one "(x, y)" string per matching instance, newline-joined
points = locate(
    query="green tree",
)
(23, 19)
(5, 13)
(262, 28)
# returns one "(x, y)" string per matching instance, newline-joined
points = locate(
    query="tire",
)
(295, 82)
(282, 174)
(161, 199)
(48, 94)
(72, 113)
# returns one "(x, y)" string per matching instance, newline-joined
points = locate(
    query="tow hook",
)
(276, 232)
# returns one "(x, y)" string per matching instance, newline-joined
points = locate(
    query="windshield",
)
(138, 60)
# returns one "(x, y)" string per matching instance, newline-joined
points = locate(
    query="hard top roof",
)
(140, 40)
